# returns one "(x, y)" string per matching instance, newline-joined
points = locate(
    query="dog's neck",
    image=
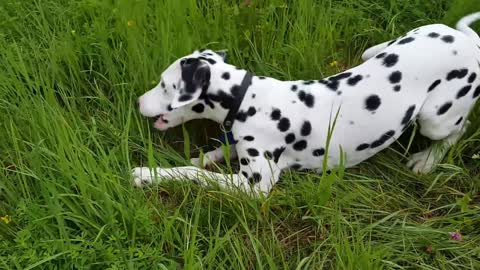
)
(225, 91)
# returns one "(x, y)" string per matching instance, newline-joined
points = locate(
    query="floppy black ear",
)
(201, 76)
(223, 54)
(195, 77)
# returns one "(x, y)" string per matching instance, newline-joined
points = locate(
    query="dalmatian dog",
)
(431, 75)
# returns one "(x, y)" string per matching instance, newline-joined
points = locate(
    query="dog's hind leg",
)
(423, 162)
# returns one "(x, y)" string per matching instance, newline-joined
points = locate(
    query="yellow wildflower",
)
(334, 63)
(130, 23)
(6, 219)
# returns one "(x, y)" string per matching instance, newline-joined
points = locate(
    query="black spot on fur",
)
(381, 55)
(249, 138)
(277, 153)
(391, 42)
(276, 114)
(385, 137)
(244, 161)
(477, 92)
(162, 84)
(397, 88)
(434, 84)
(318, 152)
(290, 138)
(294, 88)
(372, 102)
(198, 108)
(472, 77)
(395, 77)
(262, 77)
(332, 85)
(169, 107)
(448, 39)
(283, 124)
(444, 108)
(340, 76)
(226, 76)
(406, 40)
(390, 60)
(457, 74)
(241, 116)
(225, 100)
(256, 178)
(251, 111)
(307, 99)
(252, 152)
(306, 128)
(363, 146)
(244, 173)
(459, 121)
(254, 95)
(408, 115)
(462, 92)
(300, 145)
(235, 90)
(354, 80)
(268, 155)
(433, 35)
(185, 97)
(308, 82)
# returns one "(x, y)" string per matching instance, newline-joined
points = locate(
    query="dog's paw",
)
(143, 176)
(422, 162)
(196, 162)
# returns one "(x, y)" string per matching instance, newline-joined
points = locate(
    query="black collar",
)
(246, 82)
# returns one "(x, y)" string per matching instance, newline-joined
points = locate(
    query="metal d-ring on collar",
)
(246, 82)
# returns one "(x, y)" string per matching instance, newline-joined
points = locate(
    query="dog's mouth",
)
(160, 121)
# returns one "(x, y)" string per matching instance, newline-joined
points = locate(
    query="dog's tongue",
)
(159, 123)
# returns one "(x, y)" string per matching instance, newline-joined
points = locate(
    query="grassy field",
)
(70, 72)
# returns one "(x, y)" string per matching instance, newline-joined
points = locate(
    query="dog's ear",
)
(195, 80)
(223, 54)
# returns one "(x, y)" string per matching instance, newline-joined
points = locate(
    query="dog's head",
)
(176, 99)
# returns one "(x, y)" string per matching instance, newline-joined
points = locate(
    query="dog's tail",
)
(463, 25)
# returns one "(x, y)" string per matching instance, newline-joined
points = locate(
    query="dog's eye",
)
(162, 84)
(174, 86)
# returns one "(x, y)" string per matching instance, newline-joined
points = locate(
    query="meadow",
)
(70, 132)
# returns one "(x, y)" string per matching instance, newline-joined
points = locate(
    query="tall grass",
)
(70, 133)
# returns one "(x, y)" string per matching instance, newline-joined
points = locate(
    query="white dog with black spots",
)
(430, 75)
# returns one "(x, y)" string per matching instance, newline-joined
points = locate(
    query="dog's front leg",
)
(256, 182)
(214, 156)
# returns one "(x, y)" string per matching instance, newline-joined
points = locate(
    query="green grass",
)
(70, 72)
